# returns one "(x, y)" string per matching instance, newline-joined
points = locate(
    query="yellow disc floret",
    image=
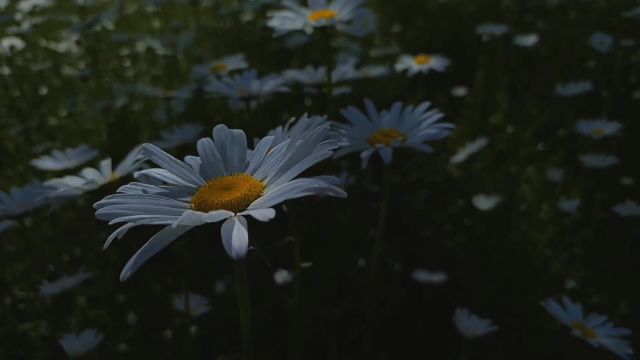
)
(386, 137)
(232, 192)
(598, 132)
(323, 14)
(218, 68)
(585, 331)
(422, 59)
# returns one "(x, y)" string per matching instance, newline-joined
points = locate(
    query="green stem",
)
(242, 290)
(296, 327)
(329, 76)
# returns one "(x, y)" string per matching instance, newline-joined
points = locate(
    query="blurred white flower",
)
(627, 208)
(489, 30)
(486, 202)
(78, 344)
(221, 66)
(526, 40)
(555, 175)
(64, 283)
(10, 45)
(601, 42)
(460, 91)
(469, 149)
(65, 159)
(22, 200)
(282, 277)
(569, 205)
(247, 89)
(25, 6)
(470, 325)
(195, 304)
(425, 276)
(598, 128)
(421, 63)
(598, 161)
(573, 88)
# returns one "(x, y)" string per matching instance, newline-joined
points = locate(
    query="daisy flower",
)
(597, 129)
(486, 202)
(469, 149)
(247, 88)
(345, 15)
(226, 182)
(526, 40)
(221, 66)
(65, 159)
(573, 88)
(489, 30)
(424, 276)
(569, 205)
(90, 179)
(282, 277)
(598, 161)
(64, 283)
(194, 304)
(22, 200)
(11, 45)
(601, 42)
(179, 135)
(313, 78)
(470, 325)
(593, 328)
(382, 131)
(627, 208)
(78, 344)
(421, 63)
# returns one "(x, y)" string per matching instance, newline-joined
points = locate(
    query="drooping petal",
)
(235, 237)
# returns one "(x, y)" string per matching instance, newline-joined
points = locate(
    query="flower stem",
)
(242, 290)
(296, 328)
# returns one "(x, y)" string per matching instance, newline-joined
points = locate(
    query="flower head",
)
(247, 88)
(221, 66)
(78, 344)
(593, 328)
(421, 63)
(226, 182)
(382, 131)
(597, 129)
(64, 283)
(194, 304)
(470, 325)
(179, 135)
(598, 161)
(22, 200)
(65, 159)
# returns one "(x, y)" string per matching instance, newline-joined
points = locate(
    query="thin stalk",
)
(296, 327)
(329, 75)
(244, 305)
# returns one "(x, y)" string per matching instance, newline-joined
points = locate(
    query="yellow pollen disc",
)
(597, 132)
(218, 68)
(585, 331)
(323, 14)
(386, 137)
(113, 177)
(422, 59)
(232, 192)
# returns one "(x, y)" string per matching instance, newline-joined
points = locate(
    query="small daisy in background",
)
(425, 276)
(345, 15)
(382, 131)
(598, 161)
(282, 277)
(569, 205)
(179, 135)
(601, 42)
(195, 305)
(598, 128)
(64, 283)
(526, 40)
(22, 200)
(221, 66)
(490, 30)
(78, 344)
(65, 159)
(247, 90)
(573, 88)
(594, 328)
(421, 63)
(470, 325)
(627, 208)
(486, 202)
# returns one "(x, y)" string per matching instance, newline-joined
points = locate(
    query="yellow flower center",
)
(218, 68)
(422, 59)
(113, 177)
(386, 137)
(323, 14)
(585, 331)
(597, 132)
(232, 192)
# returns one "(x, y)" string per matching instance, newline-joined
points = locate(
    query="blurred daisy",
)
(282, 277)
(194, 304)
(221, 66)
(593, 328)
(78, 344)
(555, 175)
(460, 91)
(64, 283)
(424, 276)
(226, 182)
(314, 78)
(601, 42)
(179, 135)
(486, 202)
(345, 15)
(469, 149)
(22, 200)
(10, 45)
(573, 88)
(6, 225)
(598, 161)
(470, 325)
(90, 179)
(627, 208)
(65, 159)
(526, 40)
(421, 63)
(247, 89)
(569, 205)
(597, 129)
(489, 30)
(382, 131)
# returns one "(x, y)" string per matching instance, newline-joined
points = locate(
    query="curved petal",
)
(235, 237)
(263, 215)
(172, 165)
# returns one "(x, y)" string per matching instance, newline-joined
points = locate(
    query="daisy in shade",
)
(573, 88)
(421, 63)
(226, 182)
(179, 135)
(22, 200)
(90, 179)
(382, 131)
(593, 328)
(470, 325)
(194, 304)
(64, 283)
(345, 15)
(65, 159)
(599, 128)
(78, 344)
(221, 66)
(598, 161)
(601, 42)
(627, 208)
(247, 89)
